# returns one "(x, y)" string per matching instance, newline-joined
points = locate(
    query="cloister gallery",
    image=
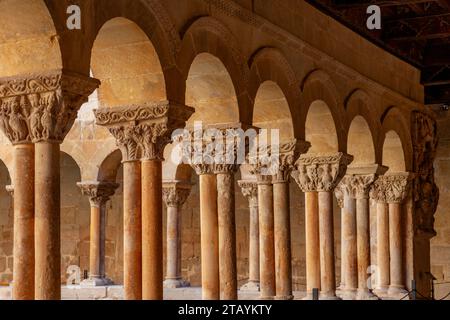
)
(87, 178)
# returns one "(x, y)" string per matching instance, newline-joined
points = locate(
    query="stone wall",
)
(440, 245)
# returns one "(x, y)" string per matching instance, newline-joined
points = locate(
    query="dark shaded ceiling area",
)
(417, 31)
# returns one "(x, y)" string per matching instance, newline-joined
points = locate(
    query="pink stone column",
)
(350, 256)
(312, 242)
(209, 236)
(282, 237)
(227, 231)
(383, 259)
(326, 236)
(250, 191)
(23, 269)
(47, 222)
(321, 173)
(378, 193)
(40, 109)
(99, 194)
(175, 194)
(152, 229)
(396, 188)
(132, 227)
(266, 238)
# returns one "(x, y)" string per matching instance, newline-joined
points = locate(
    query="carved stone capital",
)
(42, 107)
(220, 149)
(321, 172)
(98, 192)
(288, 155)
(250, 191)
(143, 131)
(361, 184)
(201, 168)
(392, 188)
(175, 193)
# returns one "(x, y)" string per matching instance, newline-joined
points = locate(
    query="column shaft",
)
(173, 236)
(253, 258)
(327, 271)
(102, 231)
(95, 242)
(282, 226)
(266, 241)
(349, 257)
(397, 285)
(47, 222)
(132, 230)
(363, 246)
(383, 260)
(209, 237)
(312, 241)
(152, 239)
(227, 236)
(23, 270)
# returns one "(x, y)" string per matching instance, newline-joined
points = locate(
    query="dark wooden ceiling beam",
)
(416, 29)
(382, 3)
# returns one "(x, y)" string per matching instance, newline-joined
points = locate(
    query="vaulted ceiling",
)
(418, 31)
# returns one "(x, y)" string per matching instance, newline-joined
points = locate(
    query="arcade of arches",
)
(87, 179)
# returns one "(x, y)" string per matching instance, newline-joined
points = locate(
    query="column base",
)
(289, 297)
(175, 283)
(347, 294)
(397, 292)
(328, 296)
(266, 298)
(250, 286)
(365, 294)
(96, 282)
(381, 291)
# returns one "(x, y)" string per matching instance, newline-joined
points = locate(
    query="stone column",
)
(99, 194)
(288, 154)
(227, 230)
(175, 194)
(383, 260)
(349, 244)
(396, 187)
(250, 191)
(39, 109)
(339, 194)
(362, 184)
(266, 238)
(322, 173)
(142, 132)
(311, 230)
(209, 229)
(23, 269)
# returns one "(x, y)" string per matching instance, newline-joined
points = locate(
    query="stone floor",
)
(116, 293)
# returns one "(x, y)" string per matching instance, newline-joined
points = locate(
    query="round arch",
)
(208, 35)
(268, 65)
(316, 88)
(363, 128)
(396, 133)
(126, 62)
